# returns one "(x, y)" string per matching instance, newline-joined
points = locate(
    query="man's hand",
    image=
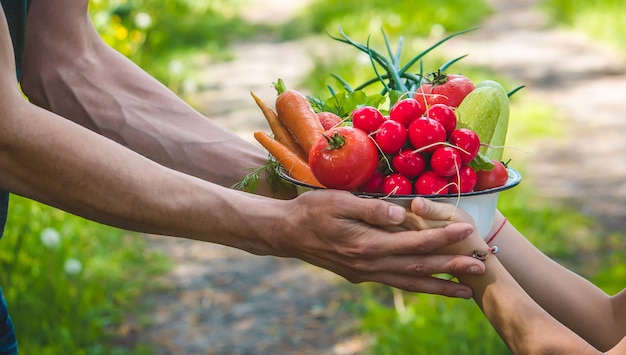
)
(347, 235)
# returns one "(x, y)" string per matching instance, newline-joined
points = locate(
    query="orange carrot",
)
(295, 166)
(295, 112)
(281, 133)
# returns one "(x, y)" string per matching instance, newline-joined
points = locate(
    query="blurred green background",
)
(68, 281)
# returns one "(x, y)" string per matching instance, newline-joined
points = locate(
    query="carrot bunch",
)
(295, 128)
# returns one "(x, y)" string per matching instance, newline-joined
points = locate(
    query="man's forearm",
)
(100, 89)
(57, 162)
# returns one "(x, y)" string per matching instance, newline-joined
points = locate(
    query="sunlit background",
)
(72, 285)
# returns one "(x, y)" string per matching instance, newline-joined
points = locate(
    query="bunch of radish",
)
(421, 150)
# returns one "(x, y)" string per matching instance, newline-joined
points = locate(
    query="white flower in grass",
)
(73, 266)
(143, 20)
(175, 67)
(50, 237)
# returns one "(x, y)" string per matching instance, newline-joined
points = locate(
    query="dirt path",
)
(224, 301)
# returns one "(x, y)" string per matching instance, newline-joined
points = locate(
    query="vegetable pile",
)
(423, 134)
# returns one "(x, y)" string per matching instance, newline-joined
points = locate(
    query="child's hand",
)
(437, 214)
(431, 210)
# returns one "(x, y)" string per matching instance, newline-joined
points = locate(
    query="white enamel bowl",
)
(481, 205)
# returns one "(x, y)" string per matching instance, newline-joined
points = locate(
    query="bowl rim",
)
(514, 179)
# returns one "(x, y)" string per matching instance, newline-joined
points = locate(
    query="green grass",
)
(69, 282)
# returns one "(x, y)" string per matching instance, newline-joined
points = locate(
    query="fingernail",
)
(418, 204)
(462, 294)
(473, 270)
(466, 234)
(396, 213)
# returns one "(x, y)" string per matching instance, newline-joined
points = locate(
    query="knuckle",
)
(365, 251)
(362, 267)
(420, 269)
(426, 242)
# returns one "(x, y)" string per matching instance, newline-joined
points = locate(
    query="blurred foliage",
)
(407, 27)
(414, 18)
(162, 36)
(69, 282)
(604, 20)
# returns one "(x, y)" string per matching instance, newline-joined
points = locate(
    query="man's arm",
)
(61, 163)
(69, 70)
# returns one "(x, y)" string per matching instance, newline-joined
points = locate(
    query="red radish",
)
(443, 114)
(367, 118)
(464, 182)
(425, 132)
(409, 163)
(329, 120)
(429, 183)
(468, 141)
(391, 136)
(406, 110)
(446, 161)
(373, 185)
(396, 184)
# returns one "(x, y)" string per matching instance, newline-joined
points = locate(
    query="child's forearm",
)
(523, 325)
(571, 299)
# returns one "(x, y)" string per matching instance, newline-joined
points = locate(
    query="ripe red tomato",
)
(344, 158)
(489, 179)
(448, 89)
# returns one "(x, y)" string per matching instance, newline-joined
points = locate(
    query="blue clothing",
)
(16, 12)
(8, 342)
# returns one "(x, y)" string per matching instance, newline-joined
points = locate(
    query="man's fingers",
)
(423, 265)
(425, 284)
(418, 242)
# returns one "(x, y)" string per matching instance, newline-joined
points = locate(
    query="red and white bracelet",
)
(497, 231)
